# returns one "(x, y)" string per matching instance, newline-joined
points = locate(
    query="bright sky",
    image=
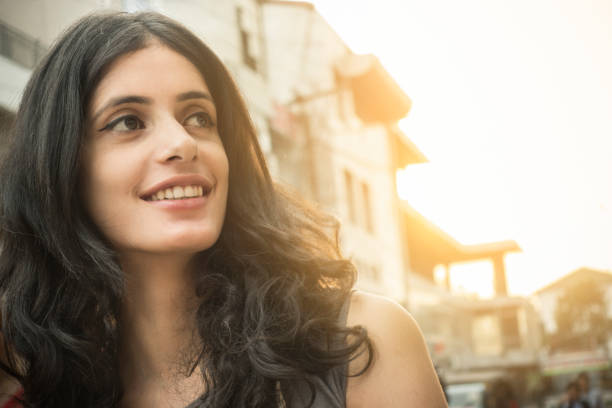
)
(512, 104)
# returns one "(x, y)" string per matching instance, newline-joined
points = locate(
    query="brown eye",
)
(131, 123)
(200, 119)
(125, 124)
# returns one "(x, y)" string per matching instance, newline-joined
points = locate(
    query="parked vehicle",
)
(469, 395)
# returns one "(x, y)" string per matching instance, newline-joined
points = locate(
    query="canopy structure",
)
(575, 362)
(430, 246)
(377, 98)
(403, 151)
(376, 95)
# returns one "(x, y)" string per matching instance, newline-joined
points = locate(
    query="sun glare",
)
(517, 136)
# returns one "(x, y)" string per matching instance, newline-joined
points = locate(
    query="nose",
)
(175, 143)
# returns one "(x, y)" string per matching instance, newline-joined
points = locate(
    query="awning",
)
(429, 246)
(377, 97)
(567, 363)
(403, 151)
(432, 246)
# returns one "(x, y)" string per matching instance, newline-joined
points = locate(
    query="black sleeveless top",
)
(330, 389)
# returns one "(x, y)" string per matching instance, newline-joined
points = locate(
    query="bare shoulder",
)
(401, 374)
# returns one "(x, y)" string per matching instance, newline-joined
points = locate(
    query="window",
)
(348, 184)
(7, 118)
(366, 207)
(19, 46)
(358, 202)
(247, 39)
(510, 329)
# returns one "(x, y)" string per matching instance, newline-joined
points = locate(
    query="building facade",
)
(335, 141)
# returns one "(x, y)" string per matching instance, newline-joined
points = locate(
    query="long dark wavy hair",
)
(269, 290)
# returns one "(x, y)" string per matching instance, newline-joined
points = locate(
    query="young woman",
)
(148, 260)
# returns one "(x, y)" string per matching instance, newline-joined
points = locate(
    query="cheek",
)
(225, 168)
(217, 161)
(225, 176)
(98, 199)
(105, 180)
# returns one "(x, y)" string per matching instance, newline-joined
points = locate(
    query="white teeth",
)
(178, 192)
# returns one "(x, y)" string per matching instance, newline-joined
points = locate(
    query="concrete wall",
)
(46, 19)
(13, 78)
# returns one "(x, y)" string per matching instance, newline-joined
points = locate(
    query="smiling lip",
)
(179, 180)
(182, 203)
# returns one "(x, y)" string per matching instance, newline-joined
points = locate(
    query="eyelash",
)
(112, 124)
(209, 121)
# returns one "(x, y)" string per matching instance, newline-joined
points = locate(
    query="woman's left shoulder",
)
(401, 373)
(380, 314)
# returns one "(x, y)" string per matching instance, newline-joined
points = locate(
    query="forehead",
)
(155, 71)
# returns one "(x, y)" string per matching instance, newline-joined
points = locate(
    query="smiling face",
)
(155, 171)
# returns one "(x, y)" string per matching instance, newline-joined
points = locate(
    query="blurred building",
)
(26, 30)
(335, 137)
(582, 346)
(430, 247)
(547, 298)
(19, 52)
(471, 339)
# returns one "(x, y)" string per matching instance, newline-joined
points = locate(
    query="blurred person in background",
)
(571, 398)
(590, 395)
(502, 395)
(148, 260)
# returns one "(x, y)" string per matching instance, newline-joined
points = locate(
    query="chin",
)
(189, 242)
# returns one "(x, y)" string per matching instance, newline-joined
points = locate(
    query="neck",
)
(157, 319)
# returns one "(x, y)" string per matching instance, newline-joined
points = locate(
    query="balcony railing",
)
(20, 47)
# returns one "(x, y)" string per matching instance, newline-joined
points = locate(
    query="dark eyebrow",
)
(147, 101)
(193, 95)
(120, 101)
